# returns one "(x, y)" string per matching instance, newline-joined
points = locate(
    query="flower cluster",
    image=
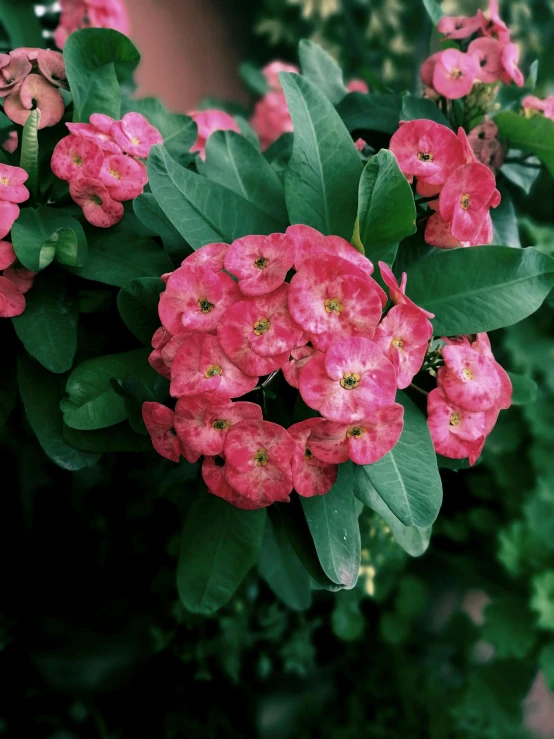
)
(101, 160)
(445, 166)
(472, 390)
(229, 318)
(14, 282)
(78, 14)
(29, 79)
(533, 105)
(490, 56)
(209, 121)
(12, 193)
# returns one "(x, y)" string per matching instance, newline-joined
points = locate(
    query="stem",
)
(419, 390)
(268, 380)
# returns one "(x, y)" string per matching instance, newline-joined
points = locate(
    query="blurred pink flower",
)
(209, 121)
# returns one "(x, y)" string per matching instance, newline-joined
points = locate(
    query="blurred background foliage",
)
(458, 643)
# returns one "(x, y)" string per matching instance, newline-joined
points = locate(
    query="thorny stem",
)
(419, 390)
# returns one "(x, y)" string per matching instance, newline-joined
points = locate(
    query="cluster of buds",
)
(14, 282)
(489, 55)
(229, 318)
(101, 160)
(29, 79)
(445, 165)
(78, 14)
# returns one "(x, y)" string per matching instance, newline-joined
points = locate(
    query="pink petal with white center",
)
(454, 74)
(402, 336)
(438, 233)
(7, 254)
(12, 301)
(159, 422)
(397, 292)
(210, 255)
(261, 263)
(12, 188)
(465, 200)
(195, 299)
(201, 366)
(75, 156)
(213, 474)
(258, 455)
(135, 135)
(193, 424)
(300, 356)
(98, 207)
(35, 92)
(9, 212)
(99, 137)
(458, 27)
(310, 475)
(471, 380)
(123, 177)
(283, 333)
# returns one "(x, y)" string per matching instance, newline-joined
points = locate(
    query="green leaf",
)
(520, 175)
(233, 162)
(220, 544)
(29, 150)
(280, 567)
(414, 108)
(321, 70)
(546, 662)
(118, 438)
(333, 522)
(509, 627)
(253, 78)
(43, 234)
(203, 212)
(482, 288)
(48, 326)
(21, 23)
(534, 135)
(179, 131)
(321, 181)
(374, 112)
(119, 255)
(413, 540)
(41, 392)
(386, 209)
(152, 216)
(524, 389)
(97, 61)
(92, 403)
(434, 10)
(504, 221)
(542, 600)
(407, 478)
(138, 306)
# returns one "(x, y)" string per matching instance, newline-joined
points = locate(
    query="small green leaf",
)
(138, 306)
(375, 112)
(524, 389)
(434, 10)
(321, 181)
(220, 544)
(546, 662)
(321, 70)
(41, 392)
(414, 108)
(520, 175)
(253, 78)
(48, 326)
(29, 150)
(43, 234)
(333, 523)
(534, 135)
(542, 600)
(504, 221)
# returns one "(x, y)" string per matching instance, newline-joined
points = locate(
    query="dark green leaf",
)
(386, 209)
(534, 135)
(407, 478)
(504, 221)
(333, 523)
(321, 70)
(434, 10)
(546, 662)
(374, 112)
(220, 544)
(519, 174)
(152, 216)
(321, 181)
(119, 438)
(97, 61)
(43, 234)
(524, 389)
(21, 23)
(414, 108)
(482, 288)
(138, 306)
(509, 627)
(253, 78)
(203, 212)
(41, 392)
(48, 326)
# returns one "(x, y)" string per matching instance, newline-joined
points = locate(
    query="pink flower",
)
(300, 356)
(310, 475)
(209, 121)
(161, 337)
(159, 422)
(201, 366)
(349, 382)
(459, 27)
(271, 118)
(203, 421)
(76, 156)
(52, 66)
(309, 243)
(397, 292)
(331, 299)
(428, 69)
(456, 433)
(99, 131)
(12, 188)
(258, 334)
(123, 177)
(482, 344)
(98, 207)
(135, 135)
(487, 52)
(12, 301)
(258, 456)
(402, 336)
(360, 144)
(426, 150)
(272, 71)
(90, 13)
(494, 26)
(510, 59)
(364, 442)
(530, 102)
(470, 380)
(195, 299)
(213, 474)
(7, 255)
(209, 255)
(9, 213)
(21, 277)
(437, 233)
(466, 198)
(261, 263)
(454, 74)
(14, 68)
(35, 92)
(11, 143)
(356, 85)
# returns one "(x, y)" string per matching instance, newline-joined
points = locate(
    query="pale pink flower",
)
(209, 255)
(437, 233)
(14, 68)
(135, 135)
(76, 156)
(455, 432)
(12, 301)
(123, 177)
(271, 118)
(492, 25)
(52, 66)
(9, 212)
(12, 188)
(487, 52)
(454, 74)
(458, 27)
(272, 71)
(97, 134)
(310, 475)
(159, 422)
(159, 340)
(471, 380)
(428, 69)
(98, 207)
(261, 263)
(35, 92)
(466, 198)
(7, 255)
(510, 59)
(357, 85)
(209, 121)
(309, 243)
(397, 292)
(300, 356)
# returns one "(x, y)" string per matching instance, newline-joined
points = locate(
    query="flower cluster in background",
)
(14, 282)
(78, 14)
(31, 78)
(209, 121)
(101, 160)
(271, 116)
(445, 166)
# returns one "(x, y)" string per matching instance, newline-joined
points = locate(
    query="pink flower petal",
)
(12, 301)
(310, 475)
(471, 380)
(261, 263)
(135, 135)
(9, 213)
(123, 177)
(209, 255)
(454, 74)
(98, 207)
(213, 474)
(76, 156)
(7, 254)
(35, 92)
(209, 121)
(426, 150)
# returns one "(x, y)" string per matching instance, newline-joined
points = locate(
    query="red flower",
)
(310, 475)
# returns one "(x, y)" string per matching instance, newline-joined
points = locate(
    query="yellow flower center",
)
(455, 418)
(115, 173)
(95, 199)
(456, 73)
(262, 326)
(205, 305)
(398, 342)
(350, 381)
(77, 161)
(134, 140)
(465, 200)
(261, 263)
(468, 373)
(261, 457)
(355, 431)
(220, 424)
(333, 305)
(424, 156)
(213, 370)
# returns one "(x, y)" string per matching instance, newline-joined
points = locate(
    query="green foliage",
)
(534, 135)
(434, 10)
(138, 306)
(43, 234)
(375, 112)
(29, 150)
(414, 108)
(321, 70)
